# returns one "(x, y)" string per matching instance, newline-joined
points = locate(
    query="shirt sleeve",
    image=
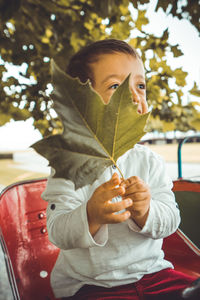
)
(164, 216)
(67, 222)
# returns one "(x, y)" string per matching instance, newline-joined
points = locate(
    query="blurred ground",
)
(27, 165)
(24, 165)
(190, 152)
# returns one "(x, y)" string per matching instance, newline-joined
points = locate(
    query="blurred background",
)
(165, 33)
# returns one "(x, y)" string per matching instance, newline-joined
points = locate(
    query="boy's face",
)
(110, 70)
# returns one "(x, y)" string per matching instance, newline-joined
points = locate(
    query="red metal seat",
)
(30, 256)
(28, 253)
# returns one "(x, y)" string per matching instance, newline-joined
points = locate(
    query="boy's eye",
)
(114, 86)
(141, 86)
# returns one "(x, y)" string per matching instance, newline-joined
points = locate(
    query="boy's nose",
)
(136, 99)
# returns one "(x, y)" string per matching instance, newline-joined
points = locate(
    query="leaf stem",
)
(119, 171)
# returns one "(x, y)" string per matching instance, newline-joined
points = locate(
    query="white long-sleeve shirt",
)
(119, 253)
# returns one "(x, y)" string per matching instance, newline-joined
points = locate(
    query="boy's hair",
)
(79, 64)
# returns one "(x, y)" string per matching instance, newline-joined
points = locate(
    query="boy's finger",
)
(136, 188)
(119, 218)
(131, 181)
(139, 196)
(115, 180)
(116, 207)
(110, 194)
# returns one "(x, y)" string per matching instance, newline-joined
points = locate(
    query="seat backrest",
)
(187, 195)
(29, 254)
(182, 253)
(183, 247)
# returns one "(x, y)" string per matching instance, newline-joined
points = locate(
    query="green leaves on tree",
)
(188, 10)
(195, 91)
(95, 135)
(32, 32)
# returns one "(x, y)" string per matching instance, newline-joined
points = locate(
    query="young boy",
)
(111, 249)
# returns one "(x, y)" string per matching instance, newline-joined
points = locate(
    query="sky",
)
(21, 134)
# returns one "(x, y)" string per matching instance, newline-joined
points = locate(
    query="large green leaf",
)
(95, 135)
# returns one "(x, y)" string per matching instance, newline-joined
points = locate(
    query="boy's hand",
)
(139, 192)
(101, 210)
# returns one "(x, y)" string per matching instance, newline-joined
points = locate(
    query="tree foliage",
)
(33, 31)
(188, 10)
